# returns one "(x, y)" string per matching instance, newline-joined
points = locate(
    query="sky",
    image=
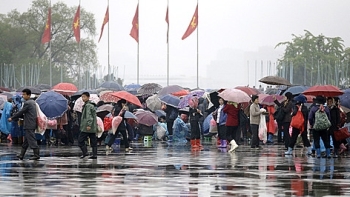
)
(224, 25)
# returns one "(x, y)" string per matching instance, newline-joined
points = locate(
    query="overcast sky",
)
(237, 24)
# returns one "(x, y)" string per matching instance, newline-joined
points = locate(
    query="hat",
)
(254, 97)
(300, 99)
(289, 95)
(320, 99)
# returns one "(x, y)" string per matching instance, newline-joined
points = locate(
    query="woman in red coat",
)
(232, 123)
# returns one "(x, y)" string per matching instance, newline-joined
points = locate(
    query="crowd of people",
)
(231, 124)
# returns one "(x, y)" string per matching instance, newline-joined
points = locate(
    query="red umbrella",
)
(180, 93)
(65, 88)
(107, 97)
(248, 90)
(128, 97)
(323, 90)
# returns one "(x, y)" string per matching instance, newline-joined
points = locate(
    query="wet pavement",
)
(161, 170)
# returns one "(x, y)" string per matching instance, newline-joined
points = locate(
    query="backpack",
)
(321, 120)
(279, 115)
(243, 118)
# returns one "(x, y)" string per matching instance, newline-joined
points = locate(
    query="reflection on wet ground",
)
(162, 170)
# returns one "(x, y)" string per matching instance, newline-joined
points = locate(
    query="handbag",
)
(341, 134)
(298, 120)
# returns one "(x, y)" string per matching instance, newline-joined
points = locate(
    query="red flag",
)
(105, 21)
(47, 32)
(135, 25)
(167, 21)
(193, 25)
(76, 25)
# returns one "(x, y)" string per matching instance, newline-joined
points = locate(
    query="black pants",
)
(286, 136)
(169, 125)
(83, 137)
(231, 133)
(294, 137)
(222, 132)
(325, 138)
(30, 140)
(195, 131)
(336, 144)
(279, 132)
(255, 135)
(125, 138)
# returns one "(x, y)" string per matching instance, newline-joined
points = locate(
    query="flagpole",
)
(197, 50)
(50, 53)
(109, 66)
(138, 45)
(79, 54)
(167, 75)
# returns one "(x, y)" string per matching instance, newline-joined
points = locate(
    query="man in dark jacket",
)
(29, 114)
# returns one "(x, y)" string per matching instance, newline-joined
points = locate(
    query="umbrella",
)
(295, 90)
(206, 123)
(129, 115)
(181, 93)
(248, 90)
(149, 89)
(65, 88)
(169, 89)
(111, 85)
(272, 91)
(128, 97)
(153, 103)
(323, 90)
(7, 94)
(132, 88)
(160, 113)
(107, 97)
(184, 101)
(300, 98)
(3, 89)
(146, 117)
(52, 104)
(170, 100)
(80, 92)
(78, 105)
(345, 100)
(214, 98)
(275, 80)
(105, 107)
(31, 88)
(234, 95)
(269, 100)
(43, 87)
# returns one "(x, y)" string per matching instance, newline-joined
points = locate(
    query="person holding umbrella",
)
(194, 115)
(29, 113)
(286, 108)
(88, 127)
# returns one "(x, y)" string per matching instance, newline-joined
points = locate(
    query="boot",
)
(318, 153)
(36, 155)
(85, 152)
(328, 153)
(94, 153)
(289, 152)
(309, 150)
(233, 146)
(194, 144)
(21, 155)
(218, 142)
(198, 143)
(170, 138)
(223, 144)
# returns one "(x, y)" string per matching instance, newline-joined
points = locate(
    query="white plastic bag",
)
(263, 129)
(41, 121)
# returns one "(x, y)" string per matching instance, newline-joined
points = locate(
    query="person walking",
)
(286, 107)
(29, 114)
(232, 123)
(88, 127)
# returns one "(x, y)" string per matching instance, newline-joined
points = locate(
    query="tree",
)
(23, 39)
(316, 59)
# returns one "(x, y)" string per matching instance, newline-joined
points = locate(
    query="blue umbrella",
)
(112, 85)
(295, 90)
(206, 123)
(160, 113)
(345, 99)
(130, 115)
(52, 104)
(170, 100)
(132, 88)
(300, 98)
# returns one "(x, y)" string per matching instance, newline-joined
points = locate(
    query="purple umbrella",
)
(146, 117)
(269, 100)
(184, 101)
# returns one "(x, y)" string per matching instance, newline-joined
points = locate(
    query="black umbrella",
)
(43, 87)
(111, 85)
(31, 88)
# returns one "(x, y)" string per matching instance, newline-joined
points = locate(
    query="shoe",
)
(21, 155)
(289, 152)
(258, 148)
(223, 144)
(94, 153)
(108, 147)
(36, 155)
(218, 142)
(84, 150)
(309, 150)
(234, 146)
(318, 153)
(194, 144)
(170, 138)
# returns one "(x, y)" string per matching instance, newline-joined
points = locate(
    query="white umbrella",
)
(234, 95)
